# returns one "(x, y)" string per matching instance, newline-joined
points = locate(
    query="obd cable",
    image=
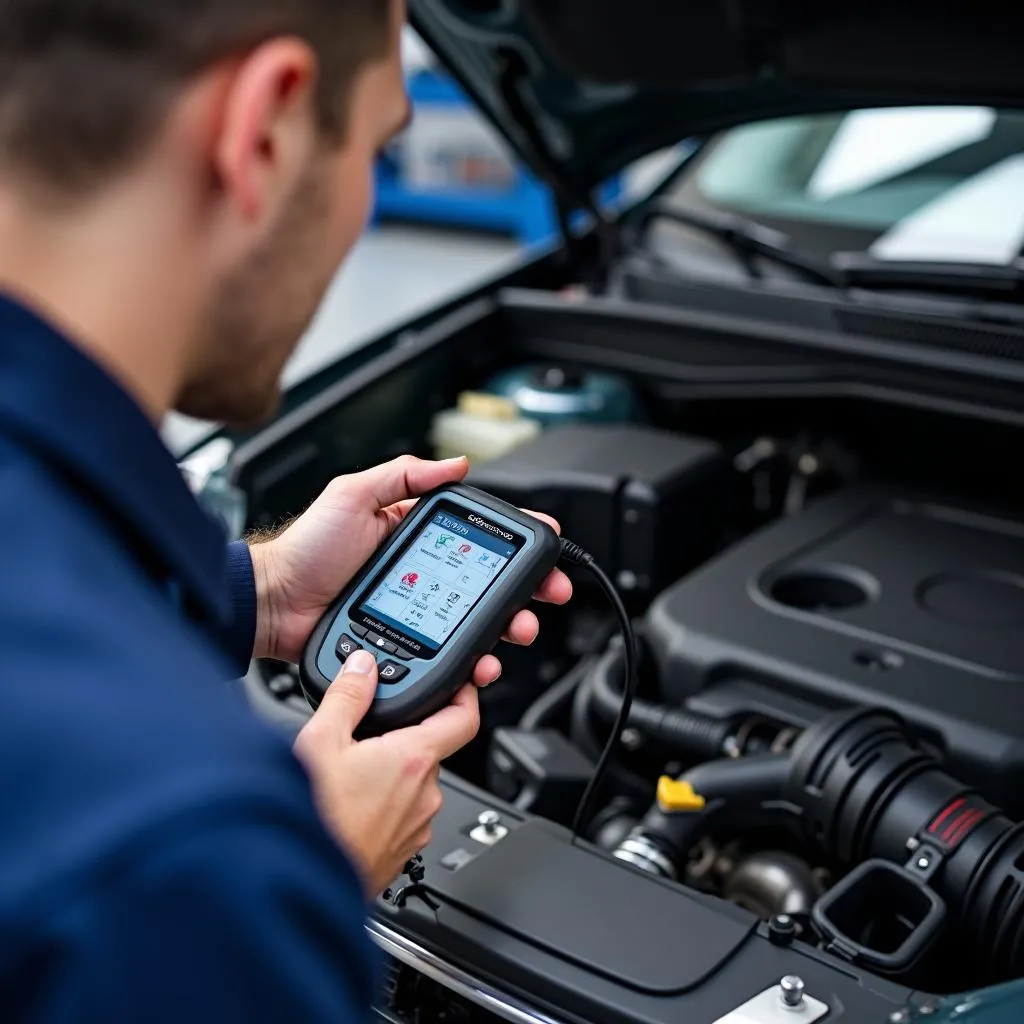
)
(573, 554)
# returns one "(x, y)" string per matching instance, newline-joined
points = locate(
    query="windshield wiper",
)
(746, 238)
(860, 270)
(844, 270)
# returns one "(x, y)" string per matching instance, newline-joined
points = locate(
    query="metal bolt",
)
(924, 862)
(632, 739)
(899, 1017)
(808, 464)
(927, 1009)
(792, 990)
(912, 844)
(731, 747)
(489, 821)
(781, 930)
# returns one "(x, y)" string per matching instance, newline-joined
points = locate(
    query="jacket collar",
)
(75, 416)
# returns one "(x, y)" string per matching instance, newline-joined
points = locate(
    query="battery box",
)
(644, 502)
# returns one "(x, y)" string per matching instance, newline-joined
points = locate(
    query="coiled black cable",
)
(575, 555)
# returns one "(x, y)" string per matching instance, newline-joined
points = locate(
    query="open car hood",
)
(581, 88)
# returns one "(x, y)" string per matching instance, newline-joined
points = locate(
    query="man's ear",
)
(268, 129)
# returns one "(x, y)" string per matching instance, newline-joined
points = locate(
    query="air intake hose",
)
(868, 793)
(927, 848)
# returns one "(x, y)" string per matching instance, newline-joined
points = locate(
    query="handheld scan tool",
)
(432, 600)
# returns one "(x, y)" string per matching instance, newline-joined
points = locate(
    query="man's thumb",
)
(350, 695)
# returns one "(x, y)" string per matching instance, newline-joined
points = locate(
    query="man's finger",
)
(487, 671)
(523, 630)
(448, 731)
(406, 477)
(556, 589)
(349, 697)
(393, 515)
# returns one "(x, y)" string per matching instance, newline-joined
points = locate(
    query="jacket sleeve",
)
(242, 918)
(239, 635)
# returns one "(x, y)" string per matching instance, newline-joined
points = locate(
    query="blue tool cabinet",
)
(524, 209)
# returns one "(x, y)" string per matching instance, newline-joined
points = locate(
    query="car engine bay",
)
(826, 752)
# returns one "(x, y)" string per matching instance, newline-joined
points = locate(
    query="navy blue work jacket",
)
(160, 856)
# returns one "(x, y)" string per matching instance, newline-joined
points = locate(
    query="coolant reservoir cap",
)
(555, 394)
(557, 378)
(677, 796)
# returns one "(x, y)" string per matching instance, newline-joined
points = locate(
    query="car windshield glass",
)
(922, 184)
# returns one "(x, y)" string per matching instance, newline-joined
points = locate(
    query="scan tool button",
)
(392, 672)
(378, 643)
(357, 629)
(346, 647)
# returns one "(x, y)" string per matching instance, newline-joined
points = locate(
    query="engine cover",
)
(539, 929)
(866, 598)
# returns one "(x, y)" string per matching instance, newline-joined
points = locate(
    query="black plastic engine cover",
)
(868, 598)
(578, 936)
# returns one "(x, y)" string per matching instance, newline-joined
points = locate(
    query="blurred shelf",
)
(524, 208)
(525, 211)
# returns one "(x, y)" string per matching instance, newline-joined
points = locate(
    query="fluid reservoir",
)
(553, 394)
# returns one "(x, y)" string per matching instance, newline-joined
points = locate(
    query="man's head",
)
(247, 129)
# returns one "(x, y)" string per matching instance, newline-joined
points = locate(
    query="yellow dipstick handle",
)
(675, 795)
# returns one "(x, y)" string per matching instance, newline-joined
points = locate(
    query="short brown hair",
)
(85, 84)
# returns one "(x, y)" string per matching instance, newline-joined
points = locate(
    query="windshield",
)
(900, 184)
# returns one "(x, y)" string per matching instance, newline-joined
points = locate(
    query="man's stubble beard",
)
(260, 314)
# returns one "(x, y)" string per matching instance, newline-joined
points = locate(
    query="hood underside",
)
(581, 88)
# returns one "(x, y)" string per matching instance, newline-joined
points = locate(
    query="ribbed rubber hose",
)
(693, 736)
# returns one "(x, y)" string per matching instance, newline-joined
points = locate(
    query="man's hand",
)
(301, 571)
(379, 796)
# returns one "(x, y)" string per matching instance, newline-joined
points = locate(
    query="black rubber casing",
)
(435, 682)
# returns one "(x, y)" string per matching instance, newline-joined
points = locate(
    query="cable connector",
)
(574, 554)
(415, 871)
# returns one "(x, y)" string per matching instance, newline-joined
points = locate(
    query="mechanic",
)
(179, 180)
